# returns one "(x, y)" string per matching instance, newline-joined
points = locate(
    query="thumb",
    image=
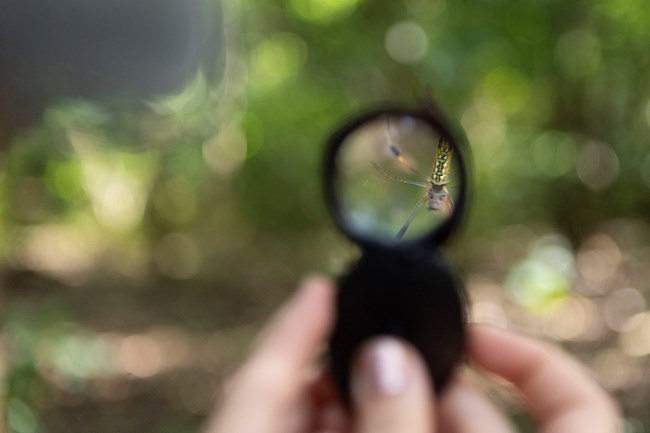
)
(391, 389)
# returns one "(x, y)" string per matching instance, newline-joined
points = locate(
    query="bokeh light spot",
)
(508, 87)
(406, 42)
(226, 152)
(118, 206)
(635, 341)
(578, 53)
(488, 312)
(68, 252)
(554, 153)
(176, 200)
(537, 286)
(174, 344)
(620, 306)
(597, 165)
(276, 60)
(117, 183)
(486, 128)
(323, 11)
(79, 355)
(614, 368)
(598, 260)
(572, 320)
(542, 281)
(139, 355)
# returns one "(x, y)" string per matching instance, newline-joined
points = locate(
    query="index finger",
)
(289, 343)
(561, 396)
(264, 395)
(299, 328)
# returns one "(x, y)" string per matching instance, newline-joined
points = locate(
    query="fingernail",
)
(384, 369)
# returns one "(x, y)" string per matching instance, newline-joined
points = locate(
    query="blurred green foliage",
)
(176, 225)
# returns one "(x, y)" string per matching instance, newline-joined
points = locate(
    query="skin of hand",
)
(281, 389)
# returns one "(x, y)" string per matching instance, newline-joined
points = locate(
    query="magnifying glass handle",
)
(415, 298)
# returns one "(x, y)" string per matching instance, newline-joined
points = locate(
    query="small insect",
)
(437, 197)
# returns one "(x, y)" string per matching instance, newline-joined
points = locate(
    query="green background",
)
(144, 240)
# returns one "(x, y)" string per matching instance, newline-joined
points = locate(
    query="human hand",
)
(280, 388)
(557, 392)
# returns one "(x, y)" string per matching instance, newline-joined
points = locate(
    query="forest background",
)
(160, 184)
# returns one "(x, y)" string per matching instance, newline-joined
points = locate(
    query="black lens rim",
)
(434, 118)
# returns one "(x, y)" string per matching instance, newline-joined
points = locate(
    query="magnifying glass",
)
(396, 185)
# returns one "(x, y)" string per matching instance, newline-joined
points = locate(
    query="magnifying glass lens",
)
(398, 178)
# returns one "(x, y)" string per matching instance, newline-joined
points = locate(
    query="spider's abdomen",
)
(442, 164)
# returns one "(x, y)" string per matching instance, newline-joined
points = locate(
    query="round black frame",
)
(431, 116)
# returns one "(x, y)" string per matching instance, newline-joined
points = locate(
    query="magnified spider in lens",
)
(436, 197)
